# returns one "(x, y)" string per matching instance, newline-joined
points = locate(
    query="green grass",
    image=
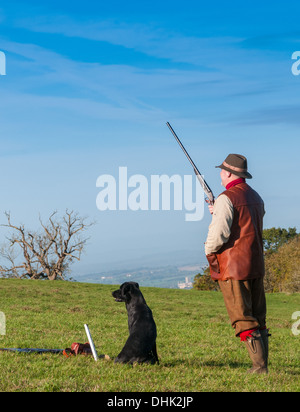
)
(196, 344)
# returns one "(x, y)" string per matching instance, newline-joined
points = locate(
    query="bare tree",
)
(46, 254)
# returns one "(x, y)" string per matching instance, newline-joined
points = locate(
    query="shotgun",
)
(206, 188)
(31, 350)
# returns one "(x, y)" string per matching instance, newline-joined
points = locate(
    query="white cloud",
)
(147, 39)
(120, 92)
(122, 89)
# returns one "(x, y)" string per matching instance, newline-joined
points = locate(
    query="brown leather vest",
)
(242, 257)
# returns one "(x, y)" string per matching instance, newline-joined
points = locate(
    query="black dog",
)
(141, 344)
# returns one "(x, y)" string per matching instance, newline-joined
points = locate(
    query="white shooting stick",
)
(88, 334)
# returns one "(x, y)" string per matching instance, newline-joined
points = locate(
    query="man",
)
(234, 250)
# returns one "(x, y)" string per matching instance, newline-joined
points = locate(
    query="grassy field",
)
(196, 344)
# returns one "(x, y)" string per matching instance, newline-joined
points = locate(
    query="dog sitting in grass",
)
(141, 344)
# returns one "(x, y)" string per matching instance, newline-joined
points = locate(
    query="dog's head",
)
(127, 291)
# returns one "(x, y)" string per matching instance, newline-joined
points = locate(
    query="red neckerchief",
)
(235, 182)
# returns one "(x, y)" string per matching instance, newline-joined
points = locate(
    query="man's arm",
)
(220, 227)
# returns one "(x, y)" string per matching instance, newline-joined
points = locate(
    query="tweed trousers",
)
(245, 302)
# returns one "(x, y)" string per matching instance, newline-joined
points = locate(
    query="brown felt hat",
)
(237, 165)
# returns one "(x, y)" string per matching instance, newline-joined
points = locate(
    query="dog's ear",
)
(128, 289)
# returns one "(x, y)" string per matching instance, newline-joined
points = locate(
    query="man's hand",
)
(210, 206)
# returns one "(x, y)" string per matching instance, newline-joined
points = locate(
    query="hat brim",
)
(245, 175)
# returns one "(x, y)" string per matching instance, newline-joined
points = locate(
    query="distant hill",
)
(160, 276)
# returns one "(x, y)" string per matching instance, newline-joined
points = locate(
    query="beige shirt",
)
(220, 227)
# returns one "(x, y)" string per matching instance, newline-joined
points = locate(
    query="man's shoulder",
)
(243, 193)
(223, 197)
(223, 202)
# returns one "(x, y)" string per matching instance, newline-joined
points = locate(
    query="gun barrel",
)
(203, 183)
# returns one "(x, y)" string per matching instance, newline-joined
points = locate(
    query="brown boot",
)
(256, 350)
(265, 338)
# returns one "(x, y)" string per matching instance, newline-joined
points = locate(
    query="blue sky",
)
(90, 86)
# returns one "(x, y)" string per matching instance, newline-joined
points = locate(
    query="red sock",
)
(243, 335)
